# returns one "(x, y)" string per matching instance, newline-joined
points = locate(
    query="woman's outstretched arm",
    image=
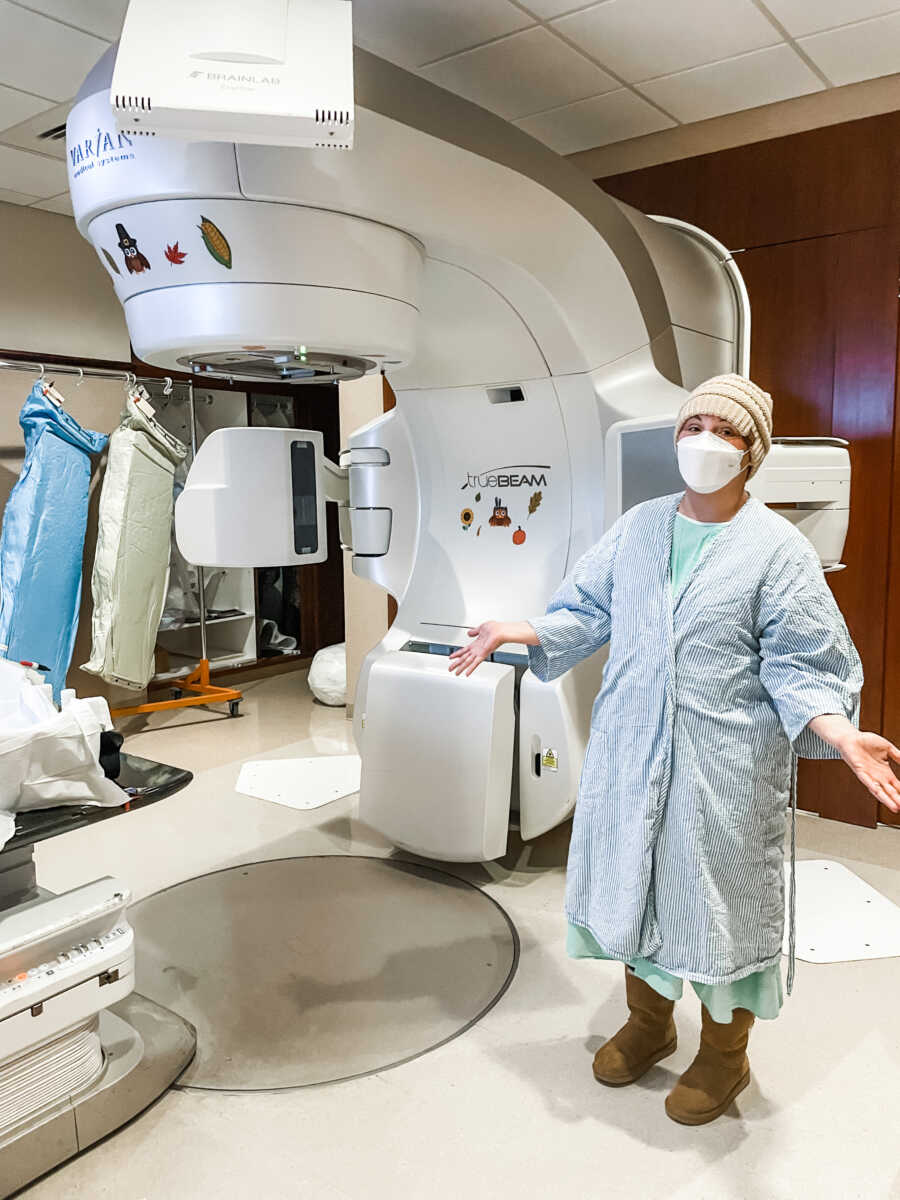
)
(486, 638)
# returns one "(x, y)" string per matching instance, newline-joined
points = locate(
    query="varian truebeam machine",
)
(539, 336)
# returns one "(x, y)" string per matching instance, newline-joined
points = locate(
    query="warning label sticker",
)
(549, 760)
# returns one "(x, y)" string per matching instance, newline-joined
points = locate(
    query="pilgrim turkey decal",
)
(134, 260)
(501, 513)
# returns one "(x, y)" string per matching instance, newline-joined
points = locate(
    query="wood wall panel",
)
(819, 214)
(891, 726)
(812, 184)
(797, 314)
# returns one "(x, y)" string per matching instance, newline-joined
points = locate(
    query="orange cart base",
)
(199, 691)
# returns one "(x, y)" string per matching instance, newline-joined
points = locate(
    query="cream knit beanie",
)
(736, 399)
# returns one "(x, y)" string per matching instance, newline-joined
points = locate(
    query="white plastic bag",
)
(328, 675)
(49, 757)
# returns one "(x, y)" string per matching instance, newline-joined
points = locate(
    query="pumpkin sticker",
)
(215, 241)
(466, 517)
(519, 536)
(501, 513)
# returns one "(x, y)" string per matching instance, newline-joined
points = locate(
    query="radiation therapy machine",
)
(539, 336)
(270, 205)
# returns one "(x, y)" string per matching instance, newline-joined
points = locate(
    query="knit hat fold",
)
(739, 400)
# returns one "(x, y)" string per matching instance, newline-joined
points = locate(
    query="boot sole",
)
(711, 1115)
(642, 1069)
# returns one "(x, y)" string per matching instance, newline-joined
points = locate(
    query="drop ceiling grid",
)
(576, 75)
(46, 49)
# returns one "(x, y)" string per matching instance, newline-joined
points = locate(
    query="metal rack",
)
(195, 689)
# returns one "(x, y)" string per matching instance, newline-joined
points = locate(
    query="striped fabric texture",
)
(677, 851)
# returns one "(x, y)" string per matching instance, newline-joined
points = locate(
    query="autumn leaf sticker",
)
(535, 502)
(175, 256)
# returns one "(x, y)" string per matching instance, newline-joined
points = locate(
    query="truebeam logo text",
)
(515, 475)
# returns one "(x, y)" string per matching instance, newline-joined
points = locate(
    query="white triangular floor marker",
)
(301, 782)
(840, 918)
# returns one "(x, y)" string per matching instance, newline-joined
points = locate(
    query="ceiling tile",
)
(27, 135)
(102, 17)
(856, 52)
(640, 39)
(42, 56)
(545, 9)
(57, 204)
(16, 107)
(31, 174)
(522, 74)
(7, 197)
(596, 122)
(810, 16)
(737, 83)
(413, 34)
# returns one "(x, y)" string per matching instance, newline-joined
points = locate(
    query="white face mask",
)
(707, 462)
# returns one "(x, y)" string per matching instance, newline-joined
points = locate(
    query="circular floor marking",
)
(299, 971)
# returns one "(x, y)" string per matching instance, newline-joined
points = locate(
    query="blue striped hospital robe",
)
(677, 851)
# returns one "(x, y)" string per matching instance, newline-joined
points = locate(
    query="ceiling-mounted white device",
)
(274, 72)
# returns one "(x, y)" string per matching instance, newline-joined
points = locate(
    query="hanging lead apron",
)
(132, 558)
(42, 542)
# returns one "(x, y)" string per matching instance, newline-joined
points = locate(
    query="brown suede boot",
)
(718, 1074)
(647, 1036)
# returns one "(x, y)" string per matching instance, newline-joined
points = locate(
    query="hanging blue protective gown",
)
(42, 542)
(677, 851)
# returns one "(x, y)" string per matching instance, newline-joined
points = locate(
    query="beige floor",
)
(510, 1108)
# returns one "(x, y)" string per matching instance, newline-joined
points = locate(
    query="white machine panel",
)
(494, 501)
(554, 727)
(254, 498)
(61, 962)
(437, 770)
(807, 481)
(275, 72)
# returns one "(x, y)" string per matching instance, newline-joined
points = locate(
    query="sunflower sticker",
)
(466, 517)
(215, 241)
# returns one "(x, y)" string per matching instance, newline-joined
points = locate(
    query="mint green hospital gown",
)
(761, 992)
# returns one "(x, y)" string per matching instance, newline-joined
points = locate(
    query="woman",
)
(728, 657)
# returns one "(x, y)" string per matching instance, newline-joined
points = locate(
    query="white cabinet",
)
(230, 592)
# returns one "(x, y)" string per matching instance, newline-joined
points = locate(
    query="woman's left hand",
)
(869, 757)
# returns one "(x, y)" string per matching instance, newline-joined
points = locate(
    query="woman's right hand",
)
(486, 639)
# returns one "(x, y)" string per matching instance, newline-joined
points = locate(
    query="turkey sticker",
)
(500, 515)
(175, 256)
(135, 261)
